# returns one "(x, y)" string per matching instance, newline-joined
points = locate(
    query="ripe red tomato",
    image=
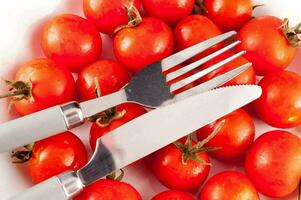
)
(131, 112)
(168, 167)
(48, 83)
(71, 41)
(190, 31)
(279, 104)
(106, 189)
(56, 154)
(170, 11)
(229, 14)
(173, 195)
(146, 43)
(246, 77)
(234, 137)
(111, 77)
(266, 45)
(229, 185)
(108, 15)
(274, 163)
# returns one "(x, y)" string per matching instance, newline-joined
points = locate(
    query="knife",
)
(156, 129)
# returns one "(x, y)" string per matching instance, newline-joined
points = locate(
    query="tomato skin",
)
(56, 154)
(266, 45)
(279, 103)
(170, 11)
(229, 14)
(111, 77)
(273, 163)
(132, 111)
(51, 85)
(71, 41)
(173, 195)
(229, 185)
(234, 138)
(106, 189)
(190, 31)
(139, 46)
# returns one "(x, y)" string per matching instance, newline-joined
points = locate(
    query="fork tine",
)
(187, 53)
(196, 64)
(202, 73)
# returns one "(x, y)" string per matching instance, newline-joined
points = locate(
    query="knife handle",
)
(62, 187)
(39, 125)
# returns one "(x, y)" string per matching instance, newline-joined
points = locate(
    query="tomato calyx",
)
(199, 8)
(291, 33)
(113, 176)
(22, 154)
(105, 118)
(257, 5)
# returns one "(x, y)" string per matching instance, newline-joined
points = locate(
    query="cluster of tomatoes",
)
(144, 32)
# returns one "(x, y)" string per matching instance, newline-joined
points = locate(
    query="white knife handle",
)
(39, 125)
(62, 187)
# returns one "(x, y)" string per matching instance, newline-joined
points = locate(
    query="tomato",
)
(246, 77)
(131, 112)
(106, 189)
(229, 185)
(173, 195)
(71, 41)
(279, 104)
(229, 14)
(110, 75)
(168, 167)
(266, 45)
(170, 11)
(56, 154)
(39, 84)
(108, 15)
(146, 43)
(234, 137)
(190, 31)
(274, 163)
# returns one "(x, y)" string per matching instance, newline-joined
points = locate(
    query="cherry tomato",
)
(173, 195)
(131, 112)
(246, 77)
(44, 84)
(234, 137)
(266, 45)
(55, 155)
(274, 163)
(110, 75)
(229, 185)
(71, 41)
(190, 31)
(106, 189)
(170, 11)
(146, 43)
(108, 15)
(279, 104)
(229, 14)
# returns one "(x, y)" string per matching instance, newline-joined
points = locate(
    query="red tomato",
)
(274, 163)
(229, 14)
(170, 11)
(146, 43)
(108, 15)
(50, 85)
(190, 31)
(111, 77)
(279, 104)
(246, 77)
(71, 41)
(229, 185)
(109, 190)
(55, 155)
(266, 45)
(234, 137)
(131, 112)
(173, 195)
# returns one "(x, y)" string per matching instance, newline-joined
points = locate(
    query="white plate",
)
(21, 23)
